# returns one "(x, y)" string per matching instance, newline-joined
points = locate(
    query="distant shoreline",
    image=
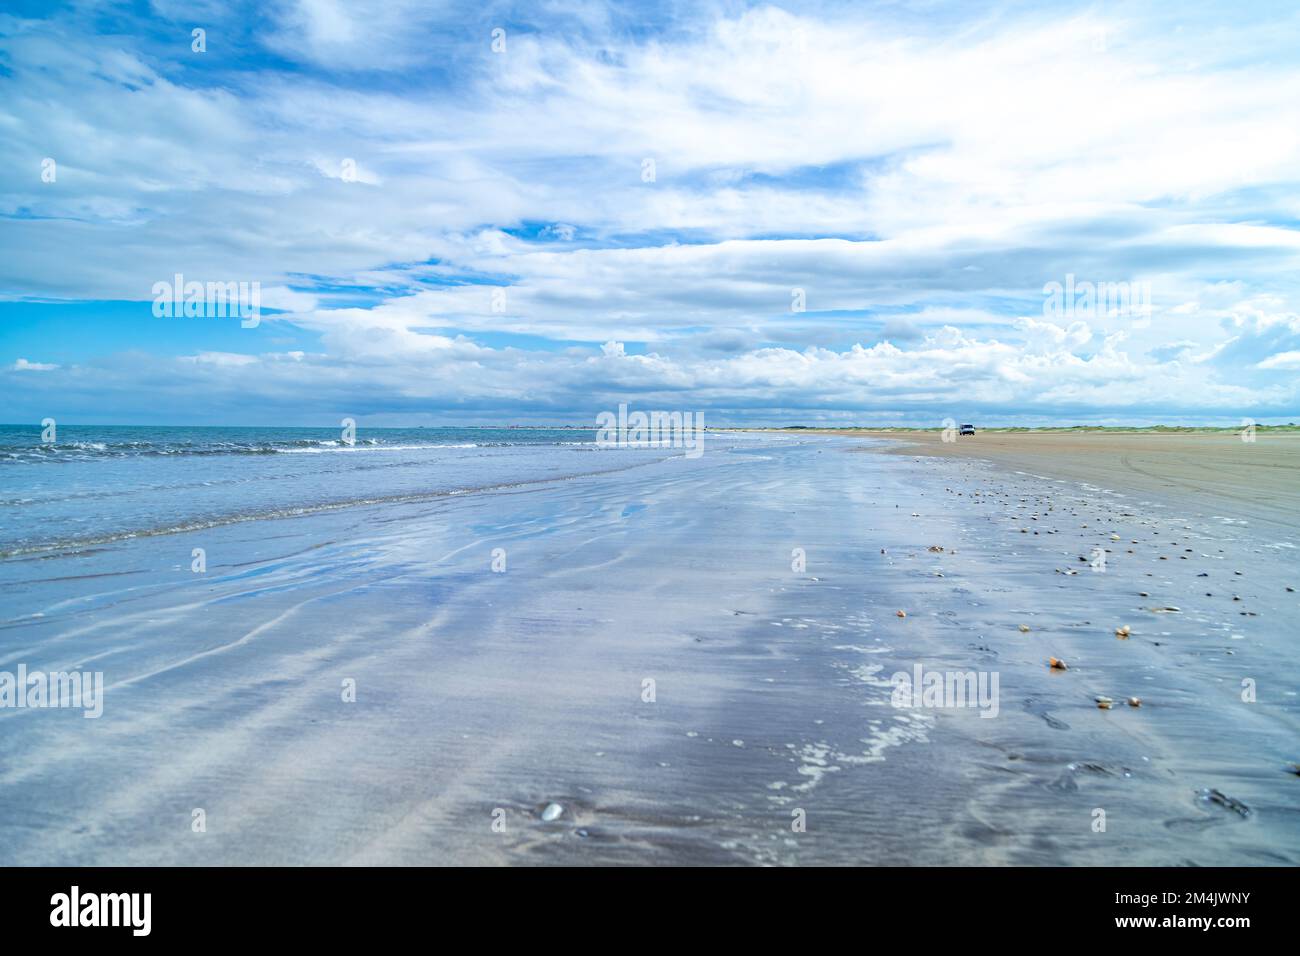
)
(1209, 471)
(825, 429)
(1020, 429)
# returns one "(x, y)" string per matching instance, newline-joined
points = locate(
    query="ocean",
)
(99, 484)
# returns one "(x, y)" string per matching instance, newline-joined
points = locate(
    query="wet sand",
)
(482, 697)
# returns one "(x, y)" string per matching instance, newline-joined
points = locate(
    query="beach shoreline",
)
(1257, 479)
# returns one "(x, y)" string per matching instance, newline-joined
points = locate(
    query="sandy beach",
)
(692, 659)
(1259, 479)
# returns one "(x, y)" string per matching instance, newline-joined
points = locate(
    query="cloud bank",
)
(774, 213)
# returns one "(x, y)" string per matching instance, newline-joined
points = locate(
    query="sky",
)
(472, 213)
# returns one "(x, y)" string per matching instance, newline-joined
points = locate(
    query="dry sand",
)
(1257, 480)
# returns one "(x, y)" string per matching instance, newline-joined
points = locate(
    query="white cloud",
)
(1282, 360)
(223, 359)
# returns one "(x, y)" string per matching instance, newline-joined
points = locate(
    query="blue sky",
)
(854, 211)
